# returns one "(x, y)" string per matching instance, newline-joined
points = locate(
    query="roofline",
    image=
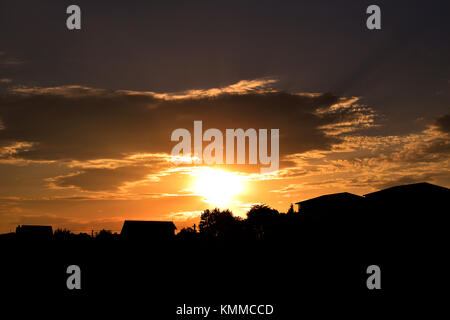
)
(33, 225)
(330, 194)
(406, 185)
(150, 221)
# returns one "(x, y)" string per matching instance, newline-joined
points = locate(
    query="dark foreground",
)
(311, 264)
(322, 277)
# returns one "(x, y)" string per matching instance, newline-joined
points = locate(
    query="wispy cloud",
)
(11, 62)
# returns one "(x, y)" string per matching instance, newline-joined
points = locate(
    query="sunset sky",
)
(86, 116)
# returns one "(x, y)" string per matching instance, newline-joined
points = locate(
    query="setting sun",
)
(218, 187)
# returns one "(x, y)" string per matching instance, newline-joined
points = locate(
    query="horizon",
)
(93, 232)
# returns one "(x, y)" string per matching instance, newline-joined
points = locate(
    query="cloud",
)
(80, 123)
(408, 179)
(11, 62)
(241, 87)
(75, 225)
(9, 150)
(368, 163)
(106, 179)
(443, 123)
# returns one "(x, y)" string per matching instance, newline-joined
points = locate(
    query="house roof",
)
(139, 224)
(25, 228)
(332, 197)
(408, 189)
(148, 222)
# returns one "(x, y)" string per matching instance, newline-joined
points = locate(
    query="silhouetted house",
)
(328, 202)
(326, 206)
(148, 230)
(31, 232)
(422, 193)
(338, 214)
(411, 208)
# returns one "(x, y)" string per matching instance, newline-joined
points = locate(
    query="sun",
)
(217, 187)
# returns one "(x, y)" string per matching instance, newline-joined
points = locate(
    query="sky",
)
(86, 115)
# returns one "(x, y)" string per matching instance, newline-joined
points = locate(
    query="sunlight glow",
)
(218, 187)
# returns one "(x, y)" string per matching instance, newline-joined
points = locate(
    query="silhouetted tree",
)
(105, 235)
(261, 219)
(83, 236)
(220, 224)
(63, 234)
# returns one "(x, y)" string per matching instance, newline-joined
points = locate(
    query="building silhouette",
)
(324, 205)
(412, 209)
(331, 216)
(148, 230)
(34, 232)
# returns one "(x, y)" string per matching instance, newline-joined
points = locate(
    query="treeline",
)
(65, 234)
(261, 222)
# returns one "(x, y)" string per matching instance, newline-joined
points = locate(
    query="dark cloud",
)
(11, 62)
(439, 147)
(69, 123)
(104, 179)
(443, 123)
